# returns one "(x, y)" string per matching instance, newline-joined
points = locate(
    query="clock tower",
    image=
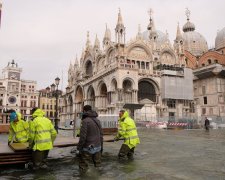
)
(12, 83)
(19, 94)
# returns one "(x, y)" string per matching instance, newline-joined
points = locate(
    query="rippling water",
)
(162, 154)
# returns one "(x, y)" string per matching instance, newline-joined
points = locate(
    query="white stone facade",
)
(136, 72)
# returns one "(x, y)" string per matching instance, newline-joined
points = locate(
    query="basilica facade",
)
(148, 74)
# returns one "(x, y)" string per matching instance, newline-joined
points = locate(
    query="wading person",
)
(127, 130)
(207, 124)
(41, 138)
(91, 139)
(19, 129)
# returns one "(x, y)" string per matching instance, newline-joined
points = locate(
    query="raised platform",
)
(4, 128)
(18, 153)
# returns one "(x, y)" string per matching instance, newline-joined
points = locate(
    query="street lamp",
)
(55, 93)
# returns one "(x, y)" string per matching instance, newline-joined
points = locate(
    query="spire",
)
(120, 20)
(88, 42)
(167, 38)
(189, 26)
(76, 64)
(107, 34)
(97, 43)
(188, 13)
(151, 27)
(120, 30)
(139, 35)
(178, 36)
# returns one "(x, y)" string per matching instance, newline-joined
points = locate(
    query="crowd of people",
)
(40, 133)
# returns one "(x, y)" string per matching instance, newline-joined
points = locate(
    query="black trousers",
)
(85, 157)
(39, 157)
(126, 151)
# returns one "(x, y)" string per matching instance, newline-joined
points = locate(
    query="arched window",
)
(146, 90)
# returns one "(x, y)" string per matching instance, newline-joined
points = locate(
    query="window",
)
(171, 103)
(205, 100)
(142, 65)
(147, 65)
(209, 61)
(192, 107)
(203, 111)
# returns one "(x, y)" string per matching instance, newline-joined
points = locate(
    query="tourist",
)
(90, 143)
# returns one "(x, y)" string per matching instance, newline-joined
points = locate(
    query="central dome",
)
(162, 38)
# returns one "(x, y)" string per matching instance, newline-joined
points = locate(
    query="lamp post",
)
(56, 95)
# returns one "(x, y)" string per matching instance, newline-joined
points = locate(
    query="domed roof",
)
(162, 38)
(220, 39)
(189, 26)
(195, 43)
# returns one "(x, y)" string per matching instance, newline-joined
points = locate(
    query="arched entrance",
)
(79, 99)
(91, 96)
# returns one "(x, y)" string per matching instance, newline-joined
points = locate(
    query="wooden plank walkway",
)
(19, 153)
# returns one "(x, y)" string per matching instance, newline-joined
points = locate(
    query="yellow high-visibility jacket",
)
(18, 131)
(127, 130)
(42, 133)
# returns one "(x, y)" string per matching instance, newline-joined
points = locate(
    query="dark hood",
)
(90, 113)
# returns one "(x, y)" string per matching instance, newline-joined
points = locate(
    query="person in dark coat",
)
(207, 124)
(90, 144)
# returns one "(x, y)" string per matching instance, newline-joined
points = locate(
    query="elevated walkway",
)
(18, 153)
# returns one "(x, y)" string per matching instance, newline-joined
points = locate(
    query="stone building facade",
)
(16, 93)
(147, 70)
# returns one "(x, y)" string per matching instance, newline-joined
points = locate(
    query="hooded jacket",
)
(91, 131)
(42, 133)
(127, 130)
(19, 130)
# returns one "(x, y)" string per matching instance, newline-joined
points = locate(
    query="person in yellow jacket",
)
(127, 130)
(18, 130)
(41, 137)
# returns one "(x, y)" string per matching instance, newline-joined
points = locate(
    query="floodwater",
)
(162, 154)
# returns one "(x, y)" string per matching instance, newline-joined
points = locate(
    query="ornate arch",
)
(167, 56)
(213, 55)
(140, 51)
(99, 87)
(148, 89)
(113, 84)
(79, 95)
(127, 80)
(100, 62)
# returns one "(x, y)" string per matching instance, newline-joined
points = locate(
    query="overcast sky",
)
(44, 36)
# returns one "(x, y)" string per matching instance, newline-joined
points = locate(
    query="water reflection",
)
(162, 154)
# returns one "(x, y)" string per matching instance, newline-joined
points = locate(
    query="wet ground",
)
(162, 154)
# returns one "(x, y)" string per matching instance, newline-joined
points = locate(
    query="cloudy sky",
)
(44, 36)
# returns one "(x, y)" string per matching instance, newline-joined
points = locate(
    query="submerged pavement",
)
(162, 154)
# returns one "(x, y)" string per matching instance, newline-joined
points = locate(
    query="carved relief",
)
(167, 58)
(138, 53)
